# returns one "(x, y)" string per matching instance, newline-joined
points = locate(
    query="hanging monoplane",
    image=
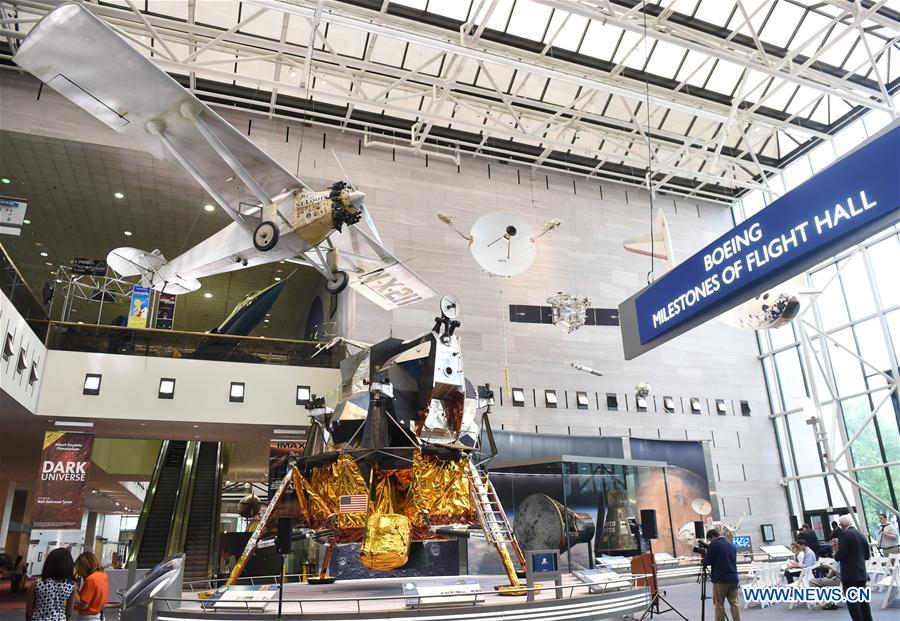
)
(276, 216)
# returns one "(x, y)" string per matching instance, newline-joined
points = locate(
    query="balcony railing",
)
(20, 294)
(69, 336)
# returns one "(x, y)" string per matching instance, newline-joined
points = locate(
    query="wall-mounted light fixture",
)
(92, 384)
(745, 408)
(21, 363)
(695, 405)
(581, 400)
(550, 399)
(236, 392)
(721, 408)
(612, 402)
(303, 395)
(8, 346)
(518, 397)
(669, 405)
(166, 388)
(33, 374)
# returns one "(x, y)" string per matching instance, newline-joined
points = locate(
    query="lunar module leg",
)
(495, 526)
(250, 548)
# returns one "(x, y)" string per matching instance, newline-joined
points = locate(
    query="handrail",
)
(216, 335)
(22, 282)
(178, 523)
(138, 537)
(319, 600)
(212, 562)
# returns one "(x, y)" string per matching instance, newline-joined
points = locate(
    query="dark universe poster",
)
(65, 465)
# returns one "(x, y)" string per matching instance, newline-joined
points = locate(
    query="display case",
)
(587, 507)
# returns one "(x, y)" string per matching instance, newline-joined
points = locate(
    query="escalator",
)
(203, 516)
(181, 509)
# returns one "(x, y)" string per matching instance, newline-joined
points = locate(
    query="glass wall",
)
(853, 330)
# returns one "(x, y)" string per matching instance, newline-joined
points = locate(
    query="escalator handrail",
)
(144, 516)
(212, 559)
(179, 521)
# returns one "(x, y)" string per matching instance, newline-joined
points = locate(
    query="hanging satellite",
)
(768, 310)
(569, 312)
(657, 245)
(502, 243)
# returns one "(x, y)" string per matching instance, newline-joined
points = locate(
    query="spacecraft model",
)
(394, 461)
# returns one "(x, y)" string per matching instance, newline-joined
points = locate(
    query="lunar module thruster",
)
(395, 460)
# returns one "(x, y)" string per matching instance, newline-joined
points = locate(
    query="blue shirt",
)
(722, 558)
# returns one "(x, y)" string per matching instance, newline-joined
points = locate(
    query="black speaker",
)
(648, 524)
(698, 530)
(283, 537)
(795, 523)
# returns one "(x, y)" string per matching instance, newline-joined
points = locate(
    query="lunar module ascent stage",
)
(395, 461)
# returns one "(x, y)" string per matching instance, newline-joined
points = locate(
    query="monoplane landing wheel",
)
(340, 282)
(265, 236)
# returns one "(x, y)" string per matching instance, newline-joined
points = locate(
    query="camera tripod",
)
(656, 601)
(702, 579)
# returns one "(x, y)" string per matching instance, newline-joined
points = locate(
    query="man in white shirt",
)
(805, 558)
(888, 541)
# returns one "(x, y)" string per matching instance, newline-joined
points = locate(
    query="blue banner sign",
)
(842, 205)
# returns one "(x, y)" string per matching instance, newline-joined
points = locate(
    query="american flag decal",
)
(356, 503)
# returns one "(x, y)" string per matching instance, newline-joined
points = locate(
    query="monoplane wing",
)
(377, 274)
(87, 62)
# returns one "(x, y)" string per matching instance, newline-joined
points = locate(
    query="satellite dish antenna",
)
(503, 243)
(701, 506)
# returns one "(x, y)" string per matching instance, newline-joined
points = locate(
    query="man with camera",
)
(721, 557)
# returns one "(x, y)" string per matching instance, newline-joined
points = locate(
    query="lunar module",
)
(395, 460)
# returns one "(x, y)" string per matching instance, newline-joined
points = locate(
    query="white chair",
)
(802, 582)
(878, 568)
(891, 586)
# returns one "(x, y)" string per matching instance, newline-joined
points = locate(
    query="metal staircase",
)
(493, 520)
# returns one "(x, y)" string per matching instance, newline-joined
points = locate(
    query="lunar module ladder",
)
(493, 521)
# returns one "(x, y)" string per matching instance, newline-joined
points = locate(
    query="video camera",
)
(701, 547)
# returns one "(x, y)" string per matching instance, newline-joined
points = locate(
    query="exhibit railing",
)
(318, 604)
(20, 294)
(68, 336)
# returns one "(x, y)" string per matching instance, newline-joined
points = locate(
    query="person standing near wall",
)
(94, 592)
(722, 559)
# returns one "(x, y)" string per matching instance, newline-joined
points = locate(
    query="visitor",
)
(827, 574)
(722, 559)
(808, 535)
(852, 553)
(835, 529)
(888, 541)
(52, 597)
(804, 558)
(94, 592)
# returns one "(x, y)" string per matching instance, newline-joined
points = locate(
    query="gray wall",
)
(584, 257)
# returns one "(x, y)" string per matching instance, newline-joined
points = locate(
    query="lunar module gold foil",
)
(330, 482)
(388, 534)
(441, 488)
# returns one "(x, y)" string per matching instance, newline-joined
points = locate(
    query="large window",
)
(851, 328)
